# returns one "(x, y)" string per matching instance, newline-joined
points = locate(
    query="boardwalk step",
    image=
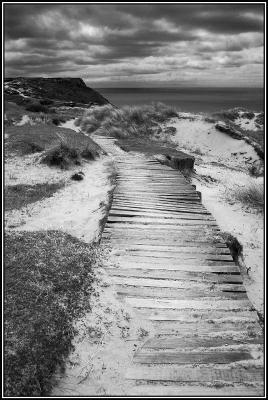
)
(195, 342)
(176, 293)
(168, 390)
(195, 374)
(176, 357)
(187, 276)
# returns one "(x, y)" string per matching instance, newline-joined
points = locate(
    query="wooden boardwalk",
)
(171, 265)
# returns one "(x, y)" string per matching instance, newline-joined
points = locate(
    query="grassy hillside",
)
(51, 90)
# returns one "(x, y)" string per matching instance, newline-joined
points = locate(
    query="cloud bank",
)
(126, 45)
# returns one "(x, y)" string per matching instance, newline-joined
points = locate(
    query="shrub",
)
(256, 170)
(260, 119)
(79, 176)
(36, 107)
(248, 115)
(236, 248)
(46, 102)
(58, 120)
(61, 156)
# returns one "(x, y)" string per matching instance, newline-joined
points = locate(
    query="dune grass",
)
(18, 196)
(251, 195)
(60, 146)
(48, 284)
(139, 121)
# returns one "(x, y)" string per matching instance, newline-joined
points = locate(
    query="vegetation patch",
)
(37, 107)
(48, 284)
(139, 121)
(54, 141)
(250, 195)
(236, 248)
(19, 196)
(65, 156)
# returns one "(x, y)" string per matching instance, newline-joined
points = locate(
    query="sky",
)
(137, 45)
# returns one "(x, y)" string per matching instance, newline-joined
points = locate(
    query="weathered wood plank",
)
(229, 268)
(221, 357)
(178, 284)
(199, 304)
(167, 216)
(175, 293)
(142, 251)
(174, 342)
(195, 374)
(160, 390)
(188, 276)
(184, 257)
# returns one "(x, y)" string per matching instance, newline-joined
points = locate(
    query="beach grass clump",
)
(64, 155)
(250, 195)
(48, 286)
(61, 147)
(127, 121)
(37, 107)
(18, 196)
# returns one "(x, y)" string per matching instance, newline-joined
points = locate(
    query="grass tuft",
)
(37, 107)
(139, 121)
(251, 195)
(48, 284)
(19, 196)
(62, 147)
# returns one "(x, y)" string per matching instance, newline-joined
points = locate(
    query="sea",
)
(205, 100)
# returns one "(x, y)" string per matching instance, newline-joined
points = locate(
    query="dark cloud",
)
(134, 40)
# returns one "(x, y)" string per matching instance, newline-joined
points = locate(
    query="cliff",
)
(69, 90)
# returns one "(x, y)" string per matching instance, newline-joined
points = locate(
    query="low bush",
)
(62, 156)
(235, 247)
(260, 119)
(46, 102)
(58, 120)
(37, 107)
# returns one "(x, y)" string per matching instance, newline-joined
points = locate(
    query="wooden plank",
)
(174, 342)
(174, 209)
(123, 242)
(183, 257)
(228, 268)
(143, 281)
(206, 316)
(160, 221)
(160, 390)
(196, 374)
(199, 304)
(187, 276)
(173, 216)
(157, 229)
(213, 357)
(175, 293)
(200, 328)
(146, 250)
